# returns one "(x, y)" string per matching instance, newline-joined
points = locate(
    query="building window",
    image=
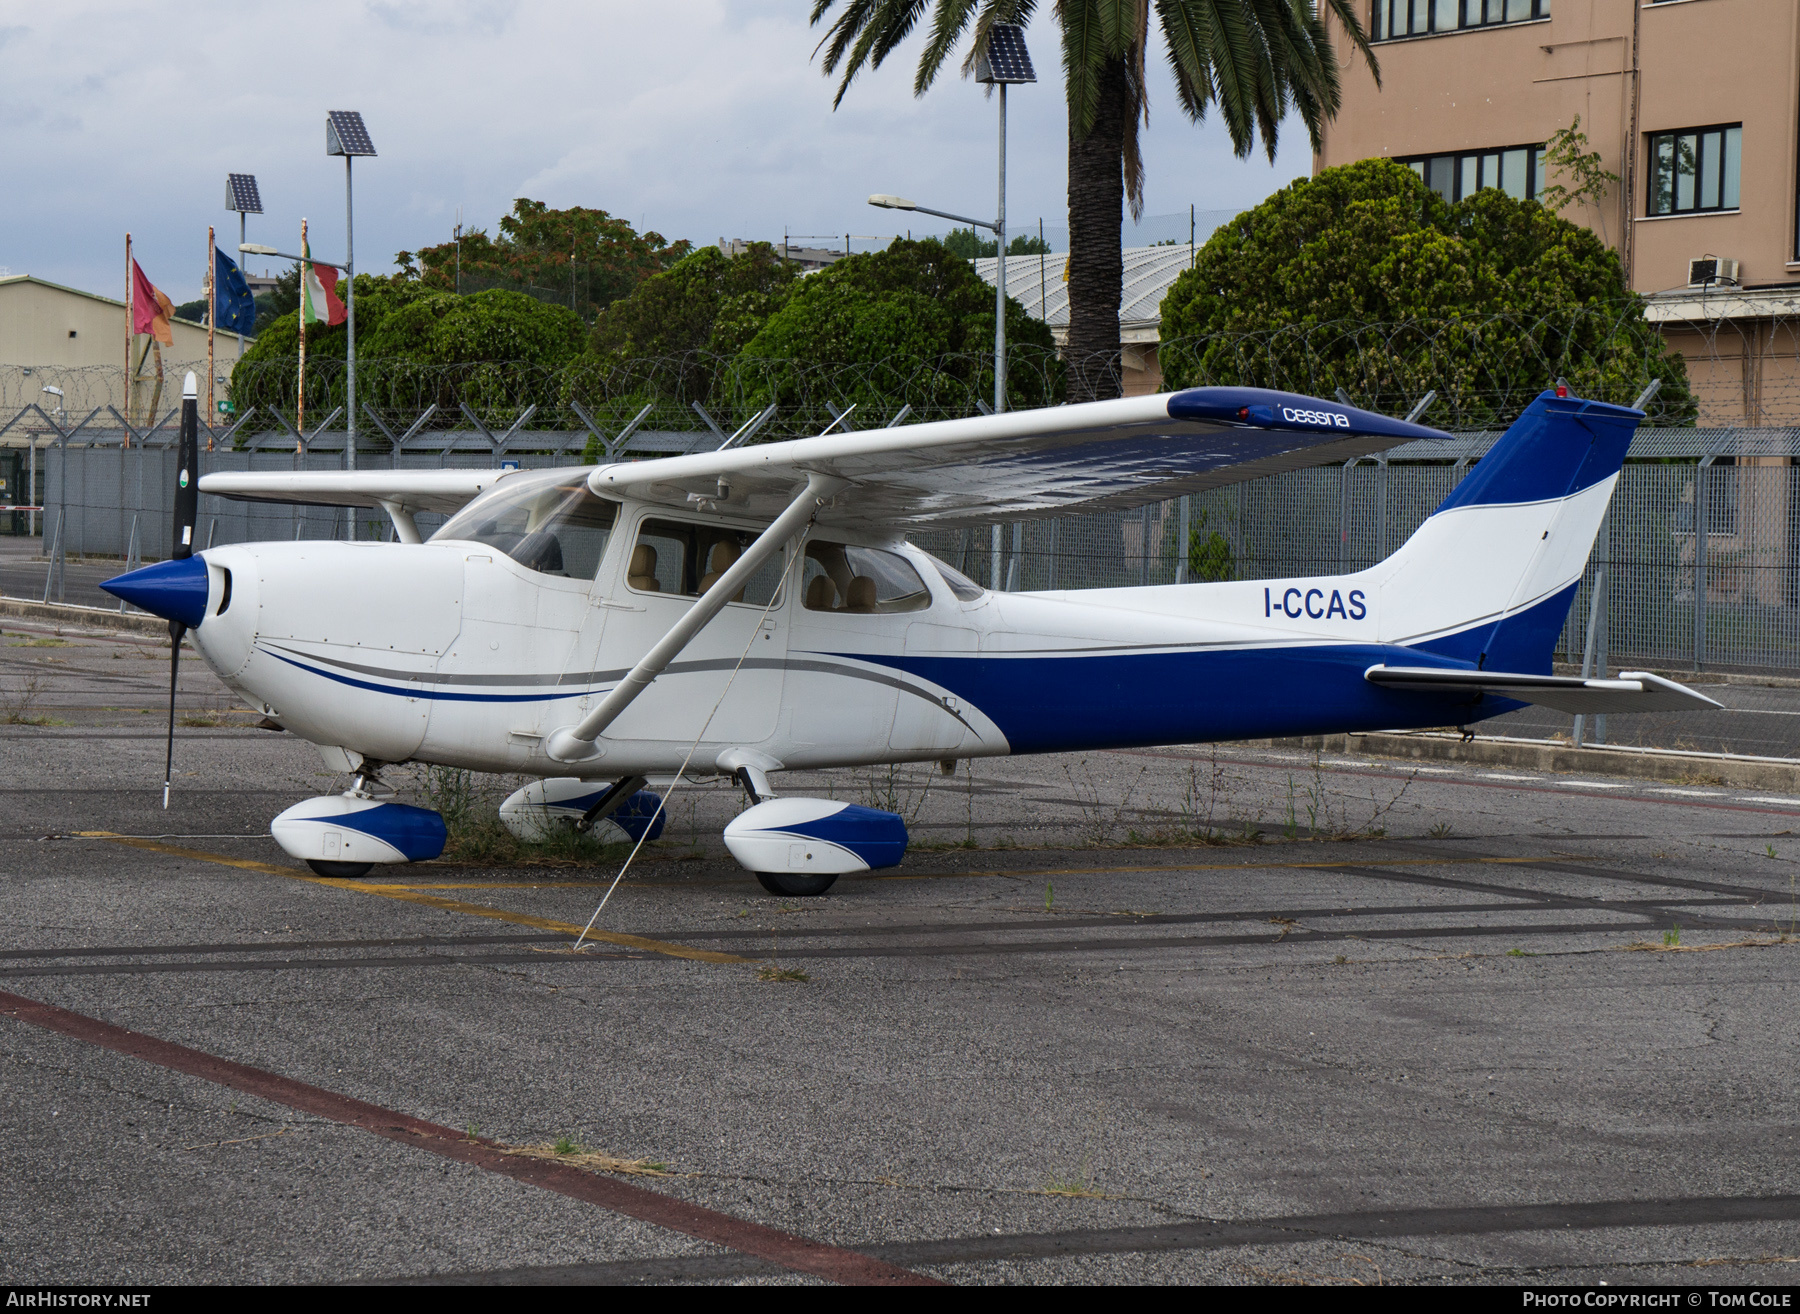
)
(1404, 18)
(1516, 170)
(1695, 169)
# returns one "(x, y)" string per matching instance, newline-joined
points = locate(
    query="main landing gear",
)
(798, 847)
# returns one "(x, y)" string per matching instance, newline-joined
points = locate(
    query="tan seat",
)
(723, 556)
(641, 574)
(821, 594)
(861, 597)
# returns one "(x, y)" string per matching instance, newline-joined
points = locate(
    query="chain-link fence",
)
(1702, 548)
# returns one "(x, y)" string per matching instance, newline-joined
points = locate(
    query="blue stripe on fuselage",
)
(1066, 703)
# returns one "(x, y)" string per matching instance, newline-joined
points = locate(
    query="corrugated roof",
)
(1036, 282)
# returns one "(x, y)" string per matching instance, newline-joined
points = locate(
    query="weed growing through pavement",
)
(477, 836)
(772, 972)
(1049, 896)
(887, 790)
(18, 711)
(1441, 830)
(1099, 823)
(566, 1149)
(1672, 936)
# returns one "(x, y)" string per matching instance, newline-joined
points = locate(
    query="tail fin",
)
(1489, 577)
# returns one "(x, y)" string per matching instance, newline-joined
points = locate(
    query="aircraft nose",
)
(174, 590)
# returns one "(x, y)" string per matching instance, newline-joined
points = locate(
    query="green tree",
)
(913, 323)
(497, 350)
(1362, 278)
(580, 258)
(970, 245)
(1255, 60)
(279, 300)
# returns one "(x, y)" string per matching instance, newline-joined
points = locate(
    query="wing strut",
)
(575, 743)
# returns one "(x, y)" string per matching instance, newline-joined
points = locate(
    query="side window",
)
(675, 557)
(861, 580)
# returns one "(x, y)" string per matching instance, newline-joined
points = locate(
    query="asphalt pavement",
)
(1194, 1014)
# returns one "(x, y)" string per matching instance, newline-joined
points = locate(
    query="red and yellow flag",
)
(151, 311)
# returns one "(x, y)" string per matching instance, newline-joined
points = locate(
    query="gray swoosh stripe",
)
(589, 678)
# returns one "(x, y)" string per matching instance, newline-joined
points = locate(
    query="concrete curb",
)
(1530, 755)
(86, 618)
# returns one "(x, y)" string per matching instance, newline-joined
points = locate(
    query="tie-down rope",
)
(680, 774)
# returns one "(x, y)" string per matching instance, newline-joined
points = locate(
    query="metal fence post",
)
(1012, 569)
(994, 565)
(1702, 477)
(1181, 545)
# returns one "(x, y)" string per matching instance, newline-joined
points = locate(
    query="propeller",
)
(187, 511)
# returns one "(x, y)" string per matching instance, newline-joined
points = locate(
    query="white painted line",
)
(1752, 798)
(1590, 784)
(1690, 793)
(1500, 777)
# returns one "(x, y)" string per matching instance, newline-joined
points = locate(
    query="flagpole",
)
(128, 308)
(212, 319)
(300, 415)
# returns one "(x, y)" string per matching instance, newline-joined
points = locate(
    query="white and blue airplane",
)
(747, 611)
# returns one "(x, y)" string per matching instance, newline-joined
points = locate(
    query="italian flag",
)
(319, 302)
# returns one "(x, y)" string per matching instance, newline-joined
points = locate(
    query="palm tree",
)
(1254, 59)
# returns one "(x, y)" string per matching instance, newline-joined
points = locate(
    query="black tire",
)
(794, 884)
(342, 871)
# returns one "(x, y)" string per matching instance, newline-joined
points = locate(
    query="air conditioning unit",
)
(1712, 269)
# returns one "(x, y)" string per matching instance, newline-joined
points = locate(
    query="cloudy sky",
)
(697, 118)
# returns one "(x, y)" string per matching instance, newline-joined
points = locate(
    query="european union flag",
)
(231, 296)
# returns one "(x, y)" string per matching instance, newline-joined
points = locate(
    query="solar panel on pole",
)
(1003, 58)
(345, 134)
(241, 194)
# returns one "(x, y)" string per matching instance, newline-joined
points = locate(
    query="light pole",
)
(1003, 62)
(62, 492)
(345, 135)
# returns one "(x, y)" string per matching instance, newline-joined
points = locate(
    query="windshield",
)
(555, 526)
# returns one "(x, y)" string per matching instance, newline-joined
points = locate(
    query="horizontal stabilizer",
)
(1632, 691)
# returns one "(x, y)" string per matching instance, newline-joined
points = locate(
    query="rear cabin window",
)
(860, 580)
(675, 557)
(554, 526)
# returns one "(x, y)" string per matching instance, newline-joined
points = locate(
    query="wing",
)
(1097, 456)
(1632, 691)
(412, 490)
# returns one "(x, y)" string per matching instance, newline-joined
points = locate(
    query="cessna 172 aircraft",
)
(751, 610)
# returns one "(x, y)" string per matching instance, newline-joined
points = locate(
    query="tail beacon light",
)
(351, 829)
(815, 836)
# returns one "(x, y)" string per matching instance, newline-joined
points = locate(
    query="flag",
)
(318, 292)
(236, 308)
(151, 311)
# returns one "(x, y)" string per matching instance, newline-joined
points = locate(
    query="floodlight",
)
(241, 193)
(251, 248)
(891, 202)
(1003, 57)
(345, 134)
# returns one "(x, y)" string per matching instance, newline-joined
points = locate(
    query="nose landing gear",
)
(344, 836)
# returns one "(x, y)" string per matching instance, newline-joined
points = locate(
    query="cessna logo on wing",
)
(1293, 415)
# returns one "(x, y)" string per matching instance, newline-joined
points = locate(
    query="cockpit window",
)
(555, 526)
(965, 589)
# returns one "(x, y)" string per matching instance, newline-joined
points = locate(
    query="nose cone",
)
(174, 590)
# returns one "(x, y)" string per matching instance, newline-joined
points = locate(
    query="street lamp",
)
(1003, 62)
(345, 135)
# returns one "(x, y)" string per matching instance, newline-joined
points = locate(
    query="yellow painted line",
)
(407, 895)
